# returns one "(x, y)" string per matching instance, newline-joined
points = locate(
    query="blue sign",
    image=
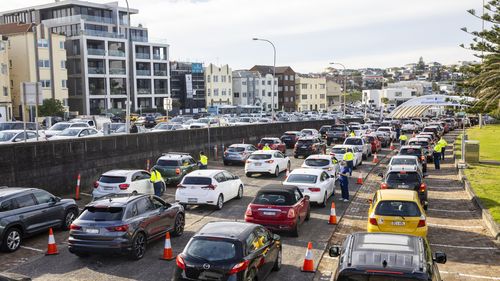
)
(197, 68)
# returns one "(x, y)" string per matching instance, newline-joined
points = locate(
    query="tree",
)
(51, 107)
(420, 68)
(384, 100)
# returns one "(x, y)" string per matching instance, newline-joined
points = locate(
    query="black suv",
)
(124, 223)
(306, 146)
(337, 133)
(27, 211)
(233, 251)
(405, 177)
(386, 256)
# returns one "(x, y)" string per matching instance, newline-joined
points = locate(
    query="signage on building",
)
(189, 86)
(196, 68)
(31, 93)
(167, 104)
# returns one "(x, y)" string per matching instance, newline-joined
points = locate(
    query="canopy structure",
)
(417, 107)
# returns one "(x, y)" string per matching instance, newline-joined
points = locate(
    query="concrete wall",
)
(54, 165)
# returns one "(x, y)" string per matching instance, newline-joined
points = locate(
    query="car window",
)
(167, 163)
(131, 211)
(102, 214)
(136, 176)
(144, 205)
(8, 205)
(42, 196)
(19, 136)
(301, 178)
(228, 175)
(324, 176)
(260, 156)
(25, 201)
(263, 236)
(317, 162)
(404, 161)
(211, 249)
(397, 208)
(31, 135)
(279, 155)
(145, 176)
(220, 177)
(298, 195)
(250, 243)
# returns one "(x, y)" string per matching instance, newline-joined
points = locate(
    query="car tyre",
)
(277, 263)
(323, 204)
(178, 225)
(240, 192)
(12, 240)
(220, 202)
(277, 171)
(138, 246)
(251, 276)
(69, 217)
(249, 175)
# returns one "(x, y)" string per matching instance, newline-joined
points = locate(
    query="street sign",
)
(167, 104)
(29, 93)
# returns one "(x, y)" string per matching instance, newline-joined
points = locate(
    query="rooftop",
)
(57, 4)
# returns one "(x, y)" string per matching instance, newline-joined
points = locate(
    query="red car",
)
(374, 141)
(279, 208)
(274, 144)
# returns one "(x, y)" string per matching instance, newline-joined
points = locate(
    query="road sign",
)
(167, 104)
(29, 94)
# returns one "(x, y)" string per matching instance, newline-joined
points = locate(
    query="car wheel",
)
(277, 263)
(12, 240)
(249, 175)
(69, 217)
(226, 163)
(82, 255)
(295, 231)
(277, 171)
(220, 202)
(308, 215)
(178, 225)
(240, 192)
(323, 204)
(251, 276)
(138, 246)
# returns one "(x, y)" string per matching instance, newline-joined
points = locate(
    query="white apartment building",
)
(218, 85)
(311, 93)
(395, 96)
(254, 89)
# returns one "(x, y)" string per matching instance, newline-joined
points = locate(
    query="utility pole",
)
(345, 84)
(130, 71)
(274, 74)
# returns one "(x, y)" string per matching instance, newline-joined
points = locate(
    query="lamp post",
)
(129, 41)
(274, 73)
(345, 83)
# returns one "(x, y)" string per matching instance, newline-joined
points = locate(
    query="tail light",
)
(74, 227)
(384, 186)
(96, 184)
(423, 187)
(314, 189)
(373, 221)
(119, 228)
(177, 171)
(248, 162)
(248, 212)
(179, 261)
(421, 222)
(239, 267)
(124, 186)
(422, 158)
(212, 187)
(270, 161)
(291, 214)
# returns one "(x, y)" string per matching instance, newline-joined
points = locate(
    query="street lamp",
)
(129, 41)
(274, 73)
(345, 82)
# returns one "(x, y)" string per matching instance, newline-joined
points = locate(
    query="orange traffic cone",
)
(333, 215)
(167, 249)
(375, 158)
(392, 146)
(308, 265)
(360, 180)
(51, 247)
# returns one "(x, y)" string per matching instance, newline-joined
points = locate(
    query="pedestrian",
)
(344, 181)
(398, 131)
(134, 129)
(402, 139)
(437, 155)
(352, 134)
(349, 159)
(203, 161)
(157, 180)
(443, 144)
(266, 147)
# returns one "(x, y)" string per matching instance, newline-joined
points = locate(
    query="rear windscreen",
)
(403, 161)
(353, 142)
(410, 151)
(236, 149)
(260, 156)
(317, 162)
(268, 198)
(102, 214)
(268, 141)
(337, 128)
(338, 150)
(304, 142)
(211, 249)
(299, 178)
(197, 180)
(397, 208)
(402, 178)
(110, 179)
(168, 163)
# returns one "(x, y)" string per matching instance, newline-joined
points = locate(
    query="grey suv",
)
(124, 223)
(28, 211)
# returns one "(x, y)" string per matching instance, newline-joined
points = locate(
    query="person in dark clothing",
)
(344, 181)
(134, 129)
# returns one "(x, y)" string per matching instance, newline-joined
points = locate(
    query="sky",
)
(308, 34)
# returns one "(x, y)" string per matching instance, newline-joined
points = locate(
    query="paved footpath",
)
(455, 225)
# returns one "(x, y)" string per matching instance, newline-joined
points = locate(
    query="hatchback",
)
(124, 181)
(328, 163)
(273, 143)
(238, 153)
(272, 162)
(415, 150)
(315, 183)
(306, 146)
(290, 138)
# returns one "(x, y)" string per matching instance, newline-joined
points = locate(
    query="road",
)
(30, 259)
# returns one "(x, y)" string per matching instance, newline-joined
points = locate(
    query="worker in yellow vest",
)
(437, 155)
(266, 147)
(157, 181)
(203, 160)
(349, 160)
(402, 139)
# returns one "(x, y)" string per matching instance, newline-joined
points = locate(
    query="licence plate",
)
(258, 164)
(403, 186)
(91, 230)
(192, 200)
(398, 223)
(269, 213)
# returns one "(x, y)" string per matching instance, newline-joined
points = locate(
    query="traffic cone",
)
(287, 173)
(392, 146)
(308, 265)
(413, 135)
(148, 163)
(375, 158)
(360, 180)
(51, 247)
(77, 191)
(167, 249)
(333, 215)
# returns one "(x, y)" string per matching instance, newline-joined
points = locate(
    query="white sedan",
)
(16, 136)
(61, 126)
(315, 183)
(209, 187)
(361, 144)
(338, 152)
(267, 161)
(123, 181)
(327, 163)
(71, 133)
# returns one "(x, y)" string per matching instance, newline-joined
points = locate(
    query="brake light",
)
(119, 228)
(269, 161)
(373, 221)
(422, 158)
(421, 222)
(384, 186)
(179, 261)
(211, 186)
(248, 212)
(291, 214)
(96, 184)
(74, 227)
(248, 161)
(314, 189)
(124, 186)
(177, 171)
(239, 267)
(423, 187)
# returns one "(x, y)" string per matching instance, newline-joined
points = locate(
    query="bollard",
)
(77, 192)
(147, 165)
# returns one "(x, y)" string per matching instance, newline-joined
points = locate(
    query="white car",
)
(267, 161)
(16, 136)
(71, 133)
(164, 126)
(405, 160)
(59, 127)
(361, 144)
(310, 132)
(123, 181)
(327, 163)
(389, 130)
(338, 152)
(209, 187)
(409, 126)
(315, 183)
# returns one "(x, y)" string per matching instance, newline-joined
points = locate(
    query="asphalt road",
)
(30, 260)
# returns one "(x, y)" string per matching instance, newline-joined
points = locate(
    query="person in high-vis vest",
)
(266, 147)
(352, 134)
(437, 155)
(156, 179)
(349, 159)
(402, 139)
(203, 160)
(443, 144)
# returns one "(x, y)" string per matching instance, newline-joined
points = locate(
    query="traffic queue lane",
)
(30, 259)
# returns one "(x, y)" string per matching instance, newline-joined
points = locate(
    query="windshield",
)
(59, 127)
(338, 150)
(6, 136)
(102, 214)
(384, 129)
(112, 179)
(403, 161)
(167, 163)
(300, 178)
(353, 142)
(317, 162)
(260, 156)
(236, 149)
(421, 143)
(397, 208)
(211, 249)
(306, 132)
(268, 141)
(403, 178)
(410, 151)
(203, 120)
(197, 181)
(70, 132)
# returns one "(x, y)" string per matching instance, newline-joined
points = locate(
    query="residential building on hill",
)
(311, 93)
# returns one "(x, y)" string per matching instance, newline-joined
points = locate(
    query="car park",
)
(233, 251)
(361, 144)
(279, 208)
(124, 181)
(273, 143)
(124, 224)
(271, 162)
(417, 151)
(309, 145)
(209, 187)
(173, 166)
(26, 212)
(17, 136)
(315, 183)
(290, 138)
(71, 133)
(337, 133)
(59, 127)
(238, 153)
(325, 162)
(339, 150)
(405, 177)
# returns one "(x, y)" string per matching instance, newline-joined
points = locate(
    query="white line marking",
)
(451, 211)
(464, 247)
(356, 217)
(33, 249)
(86, 194)
(456, 226)
(470, 275)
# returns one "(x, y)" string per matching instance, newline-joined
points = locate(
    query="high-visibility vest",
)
(348, 156)
(352, 134)
(204, 160)
(266, 147)
(438, 148)
(155, 176)
(403, 137)
(442, 142)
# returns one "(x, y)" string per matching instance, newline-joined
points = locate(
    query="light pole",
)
(129, 41)
(274, 73)
(345, 82)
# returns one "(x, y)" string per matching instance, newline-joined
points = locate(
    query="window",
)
(216, 78)
(268, 94)
(322, 96)
(63, 64)
(244, 95)
(236, 95)
(263, 82)
(291, 88)
(144, 205)
(209, 91)
(44, 63)
(61, 45)
(10, 63)
(42, 196)
(216, 92)
(263, 92)
(243, 82)
(321, 86)
(304, 86)
(269, 82)
(25, 201)
(223, 78)
(304, 97)
(220, 177)
(292, 77)
(8, 205)
(5, 91)
(208, 78)
(286, 77)
(398, 94)
(224, 92)
(4, 69)
(64, 83)
(286, 88)
(45, 83)
(43, 43)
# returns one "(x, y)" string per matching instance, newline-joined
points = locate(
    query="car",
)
(415, 150)
(310, 133)
(405, 177)
(396, 211)
(409, 126)
(25, 212)
(323, 130)
(124, 224)
(433, 129)
(372, 139)
(306, 146)
(209, 187)
(426, 145)
(79, 132)
(315, 183)
(17, 125)
(279, 208)
(361, 144)
(173, 166)
(59, 127)
(337, 133)
(146, 121)
(433, 136)
(365, 256)
(388, 129)
(339, 150)
(17, 136)
(274, 144)
(325, 162)
(164, 126)
(124, 181)
(384, 138)
(232, 251)
(290, 138)
(238, 153)
(406, 160)
(267, 161)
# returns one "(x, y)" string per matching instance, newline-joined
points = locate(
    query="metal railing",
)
(103, 34)
(159, 57)
(96, 52)
(160, 73)
(142, 56)
(117, 71)
(143, 72)
(144, 91)
(97, 19)
(116, 53)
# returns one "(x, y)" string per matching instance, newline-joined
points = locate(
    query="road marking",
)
(356, 217)
(456, 226)
(33, 249)
(470, 275)
(464, 247)
(451, 211)
(86, 194)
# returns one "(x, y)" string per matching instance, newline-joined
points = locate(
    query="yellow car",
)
(397, 211)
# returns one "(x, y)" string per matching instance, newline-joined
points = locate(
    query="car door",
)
(300, 205)
(231, 184)
(222, 186)
(148, 185)
(280, 160)
(52, 210)
(30, 213)
(267, 252)
(165, 215)
(148, 215)
(83, 133)
(329, 183)
(135, 183)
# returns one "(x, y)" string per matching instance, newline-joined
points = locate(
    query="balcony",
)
(116, 53)
(143, 72)
(160, 73)
(96, 92)
(159, 57)
(144, 91)
(117, 71)
(144, 56)
(103, 34)
(118, 92)
(96, 52)
(96, 70)
(161, 91)
(139, 38)
(97, 19)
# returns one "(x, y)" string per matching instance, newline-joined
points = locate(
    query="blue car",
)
(238, 153)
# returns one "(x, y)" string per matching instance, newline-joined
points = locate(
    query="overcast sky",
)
(308, 34)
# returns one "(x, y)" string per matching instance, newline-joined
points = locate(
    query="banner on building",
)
(189, 86)
(197, 68)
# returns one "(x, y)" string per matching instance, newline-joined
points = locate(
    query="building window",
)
(304, 97)
(45, 83)
(244, 95)
(263, 93)
(322, 105)
(44, 63)
(321, 86)
(243, 82)
(223, 78)
(63, 64)
(292, 77)
(4, 69)
(275, 94)
(208, 78)
(61, 45)
(304, 86)
(286, 99)
(224, 90)
(5, 91)
(268, 94)
(286, 88)
(322, 96)
(398, 94)
(286, 77)
(263, 82)
(209, 91)
(216, 91)
(292, 99)
(280, 88)
(236, 95)
(216, 78)
(64, 84)
(10, 63)
(43, 43)
(269, 82)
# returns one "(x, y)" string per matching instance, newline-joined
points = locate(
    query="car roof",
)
(7, 191)
(174, 155)
(226, 229)
(308, 138)
(269, 138)
(115, 200)
(241, 145)
(319, 156)
(342, 146)
(292, 132)
(204, 173)
(411, 147)
(265, 151)
(384, 127)
(404, 156)
(397, 194)
(403, 168)
(15, 131)
(278, 188)
(306, 171)
(121, 173)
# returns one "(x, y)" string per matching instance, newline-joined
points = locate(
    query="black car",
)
(415, 150)
(229, 251)
(306, 146)
(290, 138)
(337, 133)
(124, 224)
(405, 177)
(323, 130)
(386, 256)
(28, 211)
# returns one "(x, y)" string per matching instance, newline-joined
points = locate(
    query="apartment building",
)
(311, 93)
(251, 88)
(188, 86)
(333, 94)
(395, 96)
(106, 59)
(5, 94)
(35, 54)
(286, 85)
(218, 85)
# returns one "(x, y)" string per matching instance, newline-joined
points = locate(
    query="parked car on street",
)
(267, 161)
(17, 136)
(306, 146)
(310, 133)
(78, 132)
(238, 153)
(173, 166)
(361, 144)
(274, 144)
(59, 127)
(167, 127)
(315, 183)
(124, 181)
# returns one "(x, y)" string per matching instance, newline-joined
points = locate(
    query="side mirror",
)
(17, 140)
(334, 251)
(370, 201)
(381, 175)
(440, 257)
(276, 237)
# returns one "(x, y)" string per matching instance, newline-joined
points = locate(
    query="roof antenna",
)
(384, 263)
